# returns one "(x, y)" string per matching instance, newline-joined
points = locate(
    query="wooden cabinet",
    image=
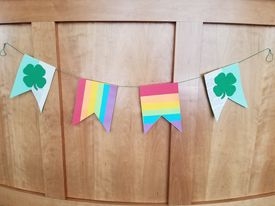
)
(134, 43)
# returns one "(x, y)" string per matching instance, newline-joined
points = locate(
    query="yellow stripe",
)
(160, 105)
(93, 94)
(89, 99)
(160, 98)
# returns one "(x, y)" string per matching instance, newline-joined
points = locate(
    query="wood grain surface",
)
(134, 43)
(225, 161)
(106, 166)
(215, 11)
(21, 156)
(186, 66)
(10, 197)
(44, 47)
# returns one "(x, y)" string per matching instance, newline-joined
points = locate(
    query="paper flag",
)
(95, 98)
(223, 84)
(160, 100)
(33, 75)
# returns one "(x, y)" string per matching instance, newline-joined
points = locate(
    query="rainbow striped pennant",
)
(95, 98)
(160, 100)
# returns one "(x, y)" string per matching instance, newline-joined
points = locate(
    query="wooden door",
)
(135, 43)
(106, 166)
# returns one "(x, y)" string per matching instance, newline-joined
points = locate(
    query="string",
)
(3, 50)
(268, 58)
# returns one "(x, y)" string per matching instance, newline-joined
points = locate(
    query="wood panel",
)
(44, 47)
(20, 146)
(234, 11)
(107, 166)
(263, 164)
(232, 157)
(186, 66)
(31, 151)
(9, 197)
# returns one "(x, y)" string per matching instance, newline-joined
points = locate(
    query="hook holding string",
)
(3, 50)
(269, 56)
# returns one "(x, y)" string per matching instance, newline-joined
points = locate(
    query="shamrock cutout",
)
(225, 85)
(34, 76)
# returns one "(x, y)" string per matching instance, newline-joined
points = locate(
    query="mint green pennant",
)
(223, 84)
(33, 75)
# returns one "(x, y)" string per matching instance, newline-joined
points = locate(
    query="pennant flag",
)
(223, 84)
(33, 75)
(95, 98)
(160, 100)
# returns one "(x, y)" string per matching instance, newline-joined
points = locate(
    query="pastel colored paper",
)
(95, 98)
(223, 84)
(33, 75)
(160, 100)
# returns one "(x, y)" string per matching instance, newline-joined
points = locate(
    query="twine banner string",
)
(268, 58)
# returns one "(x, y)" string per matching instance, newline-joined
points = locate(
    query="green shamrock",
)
(225, 85)
(34, 76)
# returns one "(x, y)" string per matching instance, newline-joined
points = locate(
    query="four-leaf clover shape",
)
(34, 76)
(224, 85)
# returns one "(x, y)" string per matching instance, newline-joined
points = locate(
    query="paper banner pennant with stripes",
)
(160, 100)
(223, 84)
(33, 75)
(95, 98)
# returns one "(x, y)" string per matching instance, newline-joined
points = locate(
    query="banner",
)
(223, 84)
(160, 100)
(33, 75)
(156, 100)
(95, 98)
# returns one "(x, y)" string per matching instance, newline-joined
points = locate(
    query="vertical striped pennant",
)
(95, 98)
(160, 100)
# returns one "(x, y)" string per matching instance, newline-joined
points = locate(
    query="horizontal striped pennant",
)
(160, 100)
(95, 98)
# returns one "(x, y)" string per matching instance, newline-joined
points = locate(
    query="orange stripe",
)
(87, 95)
(160, 98)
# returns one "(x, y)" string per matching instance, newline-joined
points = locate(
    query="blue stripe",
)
(104, 100)
(153, 119)
(150, 119)
(172, 117)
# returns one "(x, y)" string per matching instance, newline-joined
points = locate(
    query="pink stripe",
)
(79, 101)
(157, 89)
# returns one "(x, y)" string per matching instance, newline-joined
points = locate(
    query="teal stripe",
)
(150, 119)
(173, 117)
(153, 119)
(161, 112)
(104, 101)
